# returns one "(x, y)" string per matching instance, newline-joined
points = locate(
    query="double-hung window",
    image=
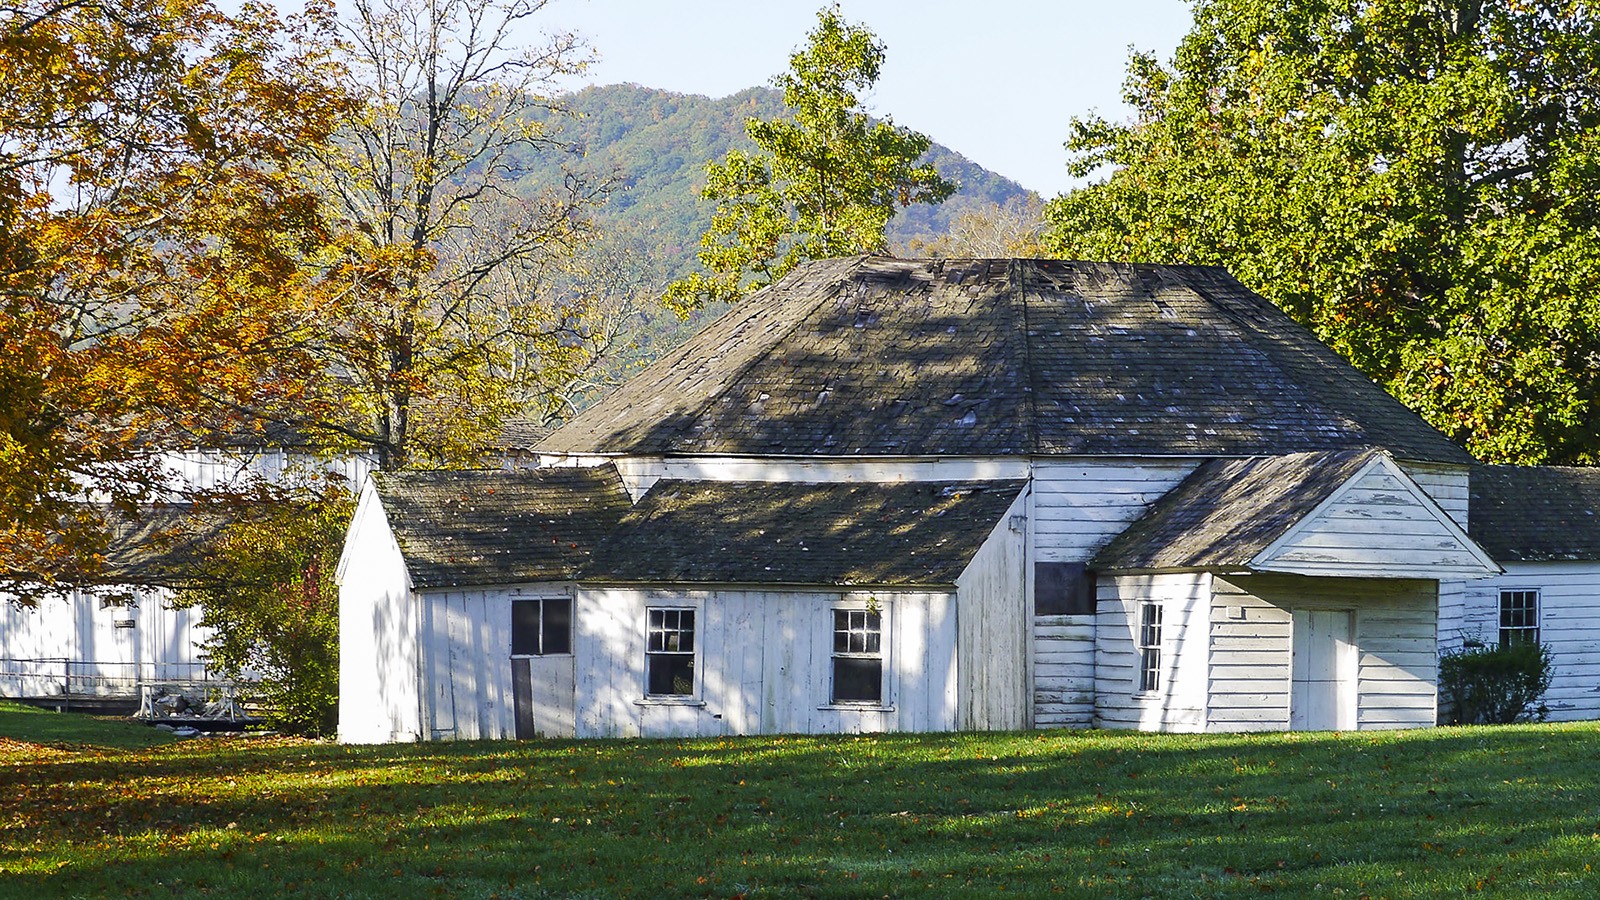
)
(857, 656)
(541, 627)
(1149, 646)
(1519, 618)
(669, 652)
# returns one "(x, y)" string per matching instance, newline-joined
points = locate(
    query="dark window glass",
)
(557, 626)
(1062, 589)
(857, 656)
(525, 627)
(1519, 618)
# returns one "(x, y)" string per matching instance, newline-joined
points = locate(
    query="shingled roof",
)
(498, 527)
(1229, 510)
(881, 356)
(907, 533)
(1534, 513)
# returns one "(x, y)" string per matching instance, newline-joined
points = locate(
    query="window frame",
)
(1531, 615)
(693, 653)
(879, 655)
(1147, 642)
(539, 640)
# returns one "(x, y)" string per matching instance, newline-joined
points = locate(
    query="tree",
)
(1413, 179)
(824, 182)
(989, 230)
(145, 203)
(427, 321)
(266, 587)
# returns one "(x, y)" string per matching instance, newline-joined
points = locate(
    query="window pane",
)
(670, 674)
(557, 626)
(857, 680)
(524, 627)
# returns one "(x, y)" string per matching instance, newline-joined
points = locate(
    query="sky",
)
(995, 80)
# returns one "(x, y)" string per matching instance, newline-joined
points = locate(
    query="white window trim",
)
(694, 697)
(886, 624)
(1140, 692)
(1538, 612)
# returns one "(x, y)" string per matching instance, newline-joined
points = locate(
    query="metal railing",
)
(64, 677)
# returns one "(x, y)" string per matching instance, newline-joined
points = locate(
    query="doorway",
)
(1323, 683)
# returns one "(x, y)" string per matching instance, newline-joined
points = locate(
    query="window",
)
(857, 656)
(541, 627)
(1062, 589)
(1149, 646)
(1519, 618)
(669, 652)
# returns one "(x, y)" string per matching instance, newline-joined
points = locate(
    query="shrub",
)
(1495, 685)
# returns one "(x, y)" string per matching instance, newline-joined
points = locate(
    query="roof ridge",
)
(1030, 425)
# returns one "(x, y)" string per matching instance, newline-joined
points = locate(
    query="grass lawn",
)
(1511, 811)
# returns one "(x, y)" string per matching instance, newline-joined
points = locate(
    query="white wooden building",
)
(1210, 523)
(106, 640)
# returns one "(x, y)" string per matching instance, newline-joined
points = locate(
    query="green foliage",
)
(267, 589)
(1413, 179)
(1425, 814)
(823, 182)
(1495, 685)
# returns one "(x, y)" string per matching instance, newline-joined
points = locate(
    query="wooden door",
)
(543, 688)
(1323, 694)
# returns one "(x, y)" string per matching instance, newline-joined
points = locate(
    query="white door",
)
(1323, 695)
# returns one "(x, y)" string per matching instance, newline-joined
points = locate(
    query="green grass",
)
(40, 726)
(1512, 811)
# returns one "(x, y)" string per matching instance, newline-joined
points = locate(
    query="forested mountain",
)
(655, 145)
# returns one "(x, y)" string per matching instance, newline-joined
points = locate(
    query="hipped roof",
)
(907, 533)
(499, 527)
(881, 356)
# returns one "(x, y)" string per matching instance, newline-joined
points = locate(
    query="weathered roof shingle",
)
(498, 527)
(1229, 510)
(880, 356)
(906, 533)
(1535, 513)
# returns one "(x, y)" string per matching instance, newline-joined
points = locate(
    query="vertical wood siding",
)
(764, 663)
(207, 469)
(466, 657)
(163, 644)
(1569, 624)
(378, 634)
(993, 615)
(1396, 668)
(1180, 703)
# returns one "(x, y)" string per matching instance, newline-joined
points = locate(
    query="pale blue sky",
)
(997, 80)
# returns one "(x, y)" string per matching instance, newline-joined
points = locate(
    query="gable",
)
(1378, 524)
(1351, 513)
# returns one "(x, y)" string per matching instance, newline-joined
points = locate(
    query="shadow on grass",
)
(1415, 814)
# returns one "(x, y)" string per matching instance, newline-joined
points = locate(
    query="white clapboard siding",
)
(764, 663)
(992, 641)
(1380, 524)
(1063, 671)
(1180, 702)
(378, 633)
(1446, 484)
(1079, 505)
(1253, 645)
(1569, 624)
(640, 473)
